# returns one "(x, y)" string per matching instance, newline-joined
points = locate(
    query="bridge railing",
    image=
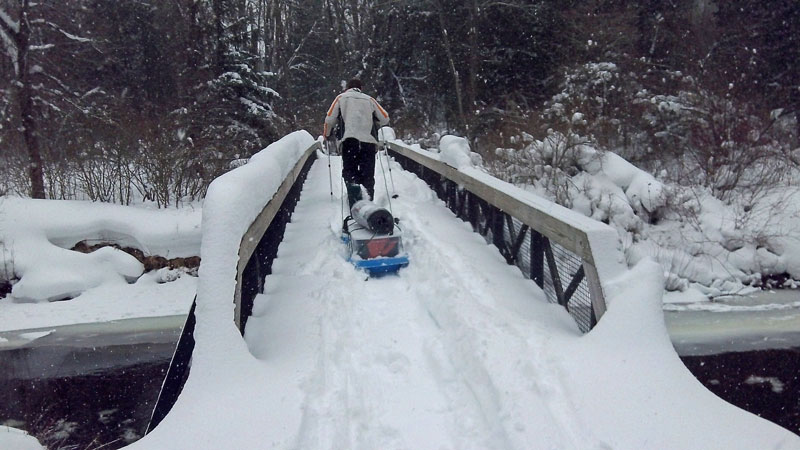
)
(253, 254)
(565, 253)
(259, 245)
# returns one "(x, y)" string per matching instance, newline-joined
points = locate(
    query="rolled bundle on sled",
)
(374, 239)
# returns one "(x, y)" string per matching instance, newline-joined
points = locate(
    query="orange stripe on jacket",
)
(330, 110)
(379, 108)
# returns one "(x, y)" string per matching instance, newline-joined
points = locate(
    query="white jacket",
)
(358, 111)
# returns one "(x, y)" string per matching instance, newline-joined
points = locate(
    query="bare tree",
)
(30, 31)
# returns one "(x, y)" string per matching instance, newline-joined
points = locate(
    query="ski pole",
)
(330, 177)
(389, 197)
(388, 163)
(341, 197)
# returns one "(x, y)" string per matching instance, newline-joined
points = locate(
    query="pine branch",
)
(7, 24)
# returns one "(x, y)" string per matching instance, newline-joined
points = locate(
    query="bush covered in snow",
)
(720, 214)
(716, 246)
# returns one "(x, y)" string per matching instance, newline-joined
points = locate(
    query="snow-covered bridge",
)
(460, 350)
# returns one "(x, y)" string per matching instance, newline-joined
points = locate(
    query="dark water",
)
(764, 382)
(109, 409)
(85, 394)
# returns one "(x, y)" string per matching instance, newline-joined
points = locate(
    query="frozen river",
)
(759, 321)
(763, 320)
(125, 351)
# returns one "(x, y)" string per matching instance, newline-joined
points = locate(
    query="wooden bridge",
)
(281, 323)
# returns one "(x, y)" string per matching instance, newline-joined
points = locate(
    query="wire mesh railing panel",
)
(579, 303)
(558, 271)
(523, 260)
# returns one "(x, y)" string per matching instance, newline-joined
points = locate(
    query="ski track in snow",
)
(446, 355)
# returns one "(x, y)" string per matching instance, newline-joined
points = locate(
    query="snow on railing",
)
(549, 243)
(246, 210)
(244, 214)
(259, 245)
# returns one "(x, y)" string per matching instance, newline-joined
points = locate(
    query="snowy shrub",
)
(711, 140)
(547, 164)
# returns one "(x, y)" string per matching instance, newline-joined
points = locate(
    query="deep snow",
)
(457, 351)
(707, 247)
(35, 238)
(36, 235)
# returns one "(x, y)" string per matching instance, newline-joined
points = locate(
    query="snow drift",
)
(36, 237)
(459, 351)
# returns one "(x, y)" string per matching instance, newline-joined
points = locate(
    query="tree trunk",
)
(474, 58)
(26, 109)
(452, 63)
(219, 31)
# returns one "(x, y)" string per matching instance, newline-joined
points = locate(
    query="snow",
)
(9, 43)
(148, 297)
(66, 275)
(12, 438)
(454, 151)
(32, 336)
(776, 384)
(621, 189)
(107, 284)
(703, 243)
(36, 235)
(70, 35)
(386, 134)
(12, 24)
(457, 351)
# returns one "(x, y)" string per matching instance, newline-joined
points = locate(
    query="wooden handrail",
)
(259, 226)
(568, 230)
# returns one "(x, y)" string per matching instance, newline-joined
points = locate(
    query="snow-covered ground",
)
(14, 439)
(457, 351)
(707, 247)
(35, 238)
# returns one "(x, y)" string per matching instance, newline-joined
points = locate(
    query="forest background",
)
(124, 100)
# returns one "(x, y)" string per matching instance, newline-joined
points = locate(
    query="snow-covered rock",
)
(15, 439)
(68, 273)
(36, 236)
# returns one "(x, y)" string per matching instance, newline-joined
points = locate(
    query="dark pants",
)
(358, 168)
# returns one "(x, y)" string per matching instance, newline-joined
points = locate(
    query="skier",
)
(358, 117)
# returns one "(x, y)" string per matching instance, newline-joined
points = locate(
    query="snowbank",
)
(702, 243)
(222, 367)
(637, 378)
(458, 351)
(36, 235)
(12, 438)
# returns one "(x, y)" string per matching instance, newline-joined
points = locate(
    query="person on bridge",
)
(358, 118)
